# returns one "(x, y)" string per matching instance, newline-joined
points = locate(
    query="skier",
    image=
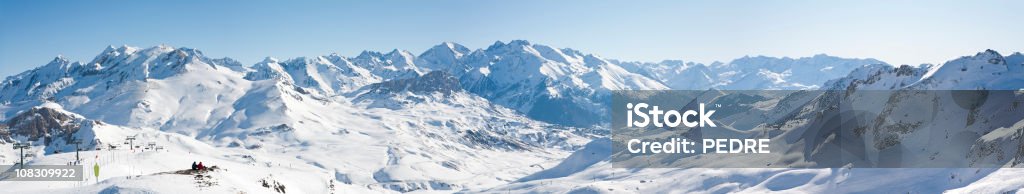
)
(194, 166)
(201, 167)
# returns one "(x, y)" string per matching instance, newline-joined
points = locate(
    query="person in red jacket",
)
(201, 167)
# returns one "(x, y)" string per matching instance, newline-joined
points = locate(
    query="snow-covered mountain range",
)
(512, 116)
(963, 113)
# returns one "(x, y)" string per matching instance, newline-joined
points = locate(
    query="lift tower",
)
(22, 147)
(131, 141)
(77, 143)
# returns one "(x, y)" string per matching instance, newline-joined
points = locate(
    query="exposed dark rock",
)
(41, 122)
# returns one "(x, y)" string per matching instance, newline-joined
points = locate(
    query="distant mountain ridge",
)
(537, 80)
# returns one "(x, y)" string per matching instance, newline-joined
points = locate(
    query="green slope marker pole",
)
(96, 172)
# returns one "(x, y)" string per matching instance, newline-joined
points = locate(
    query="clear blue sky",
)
(899, 32)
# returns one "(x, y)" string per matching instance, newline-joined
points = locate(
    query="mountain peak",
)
(970, 72)
(186, 51)
(444, 56)
(118, 49)
(496, 44)
(513, 43)
(519, 42)
(162, 48)
(368, 54)
(990, 56)
(394, 51)
(404, 54)
(452, 45)
(123, 49)
(109, 48)
(990, 51)
(394, 64)
(822, 55)
(987, 53)
(126, 49)
(60, 59)
(513, 46)
(270, 60)
(448, 47)
(59, 65)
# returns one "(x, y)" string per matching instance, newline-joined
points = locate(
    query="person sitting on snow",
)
(194, 166)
